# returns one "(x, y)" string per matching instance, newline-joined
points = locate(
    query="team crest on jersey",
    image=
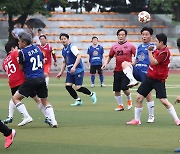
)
(141, 57)
(95, 53)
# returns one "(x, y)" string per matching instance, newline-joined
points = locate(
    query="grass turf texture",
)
(92, 129)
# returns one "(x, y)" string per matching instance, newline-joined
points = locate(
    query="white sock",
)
(47, 81)
(129, 73)
(50, 112)
(119, 100)
(172, 111)
(150, 106)
(137, 113)
(129, 97)
(12, 107)
(42, 108)
(22, 109)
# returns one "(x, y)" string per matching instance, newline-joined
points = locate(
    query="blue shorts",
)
(76, 79)
(138, 74)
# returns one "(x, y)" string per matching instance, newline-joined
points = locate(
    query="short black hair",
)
(64, 34)
(149, 29)
(94, 37)
(26, 37)
(122, 29)
(39, 29)
(42, 36)
(162, 38)
(178, 42)
(9, 45)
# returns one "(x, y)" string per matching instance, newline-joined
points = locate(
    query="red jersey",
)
(11, 66)
(47, 51)
(160, 71)
(122, 52)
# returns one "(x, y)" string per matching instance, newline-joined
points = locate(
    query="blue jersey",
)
(142, 58)
(32, 60)
(96, 55)
(70, 59)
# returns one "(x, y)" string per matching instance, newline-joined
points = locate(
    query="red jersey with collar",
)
(47, 51)
(11, 66)
(160, 71)
(122, 52)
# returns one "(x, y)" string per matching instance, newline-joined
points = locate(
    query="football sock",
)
(150, 106)
(119, 100)
(4, 129)
(137, 113)
(72, 92)
(92, 78)
(84, 90)
(129, 97)
(101, 77)
(22, 109)
(172, 111)
(128, 72)
(12, 107)
(50, 112)
(42, 108)
(47, 81)
(78, 99)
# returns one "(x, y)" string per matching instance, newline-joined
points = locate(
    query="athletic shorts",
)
(148, 84)
(37, 85)
(95, 68)
(76, 79)
(138, 74)
(47, 68)
(120, 81)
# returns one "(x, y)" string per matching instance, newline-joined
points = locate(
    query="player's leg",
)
(78, 86)
(93, 73)
(101, 76)
(8, 133)
(150, 106)
(128, 71)
(46, 73)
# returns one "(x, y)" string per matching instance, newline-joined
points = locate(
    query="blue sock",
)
(101, 77)
(92, 78)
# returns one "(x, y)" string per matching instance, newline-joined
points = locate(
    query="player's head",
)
(178, 44)
(95, 40)
(25, 39)
(161, 40)
(42, 39)
(146, 33)
(10, 46)
(121, 34)
(64, 38)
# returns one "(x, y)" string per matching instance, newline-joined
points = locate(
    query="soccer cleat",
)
(92, 85)
(25, 121)
(77, 103)
(48, 121)
(9, 139)
(103, 85)
(54, 124)
(129, 104)
(150, 119)
(94, 98)
(133, 83)
(134, 122)
(177, 122)
(8, 120)
(119, 108)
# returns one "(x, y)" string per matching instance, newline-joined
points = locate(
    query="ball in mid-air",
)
(144, 17)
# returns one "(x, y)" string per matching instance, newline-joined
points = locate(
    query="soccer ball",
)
(144, 17)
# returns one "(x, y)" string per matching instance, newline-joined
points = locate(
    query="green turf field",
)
(92, 129)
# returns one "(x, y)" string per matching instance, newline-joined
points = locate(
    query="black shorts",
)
(148, 84)
(95, 68)
(37, 85)
(13, 91)
(120, 81)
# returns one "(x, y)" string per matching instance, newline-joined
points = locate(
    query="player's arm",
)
(153, 61)
(108, 59)
(88, 60)
(76, 52)
(21, 60)
(62, 70)
(54, 58)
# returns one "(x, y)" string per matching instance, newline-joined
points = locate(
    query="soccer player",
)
(123, 51)
(47, 50)
(31, 61)
(75, 70)
(95, 55)
(155, 79)
(138, 69)
(16, 78)
(36, 38)
(8, 133)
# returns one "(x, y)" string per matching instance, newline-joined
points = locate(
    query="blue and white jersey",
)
(69, 53)
(96, 54)
(32, 60)
(142, 57)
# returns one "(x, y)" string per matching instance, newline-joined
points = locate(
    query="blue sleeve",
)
(21, 59)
